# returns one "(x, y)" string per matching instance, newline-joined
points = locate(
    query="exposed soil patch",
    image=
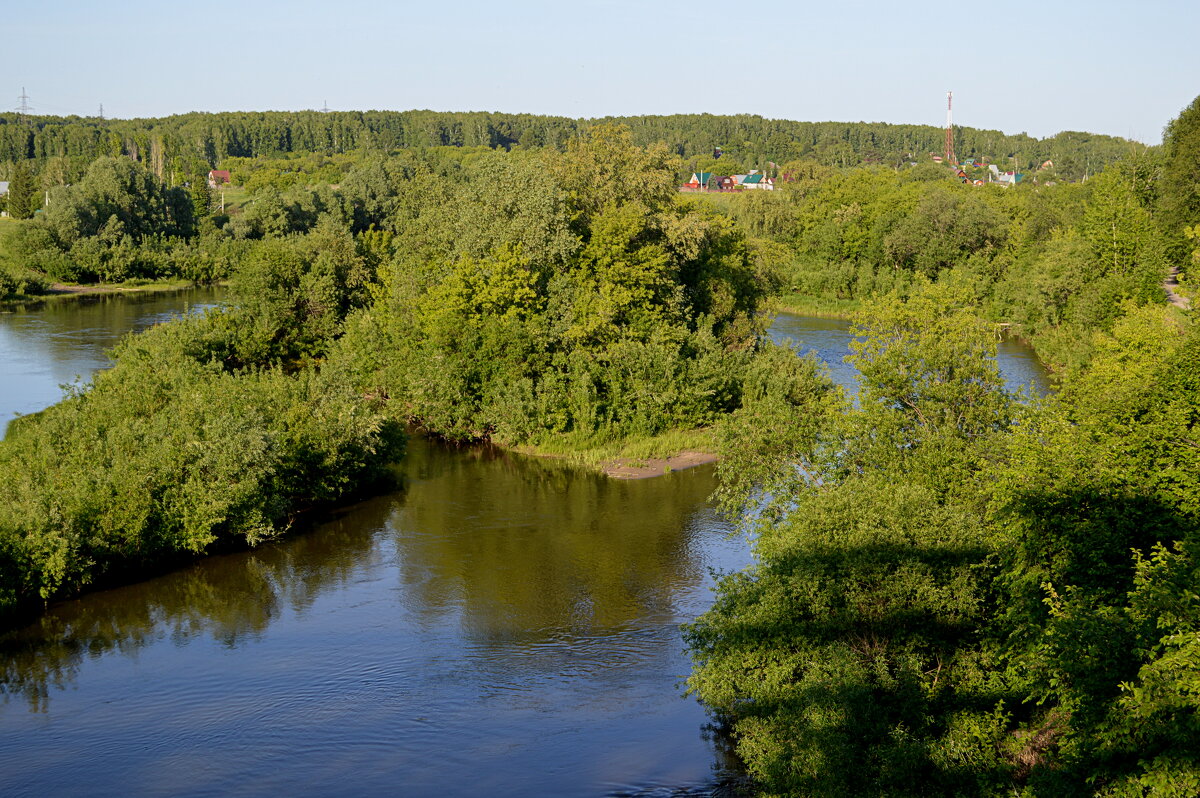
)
(114, 288)
(625, 468)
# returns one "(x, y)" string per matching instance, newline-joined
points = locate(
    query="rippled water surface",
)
(498, 626)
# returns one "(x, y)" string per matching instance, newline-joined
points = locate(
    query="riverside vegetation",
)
(957, 590)
(526, 303)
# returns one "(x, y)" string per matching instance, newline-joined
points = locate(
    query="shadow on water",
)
(501, 626)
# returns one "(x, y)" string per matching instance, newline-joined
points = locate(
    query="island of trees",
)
(957, 590)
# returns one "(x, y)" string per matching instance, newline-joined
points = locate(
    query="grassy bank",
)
(633, 457)
(62, 291)
(805, 305)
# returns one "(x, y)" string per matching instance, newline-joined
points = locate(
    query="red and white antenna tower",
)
(950, 128)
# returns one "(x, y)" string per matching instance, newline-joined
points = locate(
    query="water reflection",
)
(521, 546)
(501, 626)
(46, 345)
(230, 600)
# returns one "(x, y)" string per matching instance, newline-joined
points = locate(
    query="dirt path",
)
(1170, 284)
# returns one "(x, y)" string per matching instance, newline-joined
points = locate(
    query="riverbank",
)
(819, 307)
(636, 458)
(65, 291)
(488, 599)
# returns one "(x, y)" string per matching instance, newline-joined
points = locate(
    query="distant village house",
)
(218, 177)
(757, 180)
(707, 181)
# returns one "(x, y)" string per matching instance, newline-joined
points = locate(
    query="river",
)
(498, 626)
(46, 345)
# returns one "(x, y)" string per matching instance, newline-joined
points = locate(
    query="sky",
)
(1118, 68)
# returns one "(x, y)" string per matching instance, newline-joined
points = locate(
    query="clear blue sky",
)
(1121, 68)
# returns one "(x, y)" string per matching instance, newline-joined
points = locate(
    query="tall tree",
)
(1179, 191)
(21, 191)
(201, 196)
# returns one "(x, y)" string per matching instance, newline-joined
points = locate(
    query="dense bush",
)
(16, 282)
(590, 306)
(956, 596)
(208, 431)
(161, 457)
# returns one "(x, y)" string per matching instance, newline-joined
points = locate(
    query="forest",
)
(179, 146)
(957, 589)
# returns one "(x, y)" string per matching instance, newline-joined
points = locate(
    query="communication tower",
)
(950, 159)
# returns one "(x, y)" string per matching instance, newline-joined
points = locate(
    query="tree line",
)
(196, 142)
(1054, 261)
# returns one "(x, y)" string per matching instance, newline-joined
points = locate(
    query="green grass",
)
(634, 450)
(817, 306)
(236, 198)
(96, 289)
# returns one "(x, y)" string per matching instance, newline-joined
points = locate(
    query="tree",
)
(201, 196)
(22, 190)
(848, 660)
(1098, 531)
(1179, 189)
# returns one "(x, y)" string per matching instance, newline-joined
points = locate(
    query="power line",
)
(24, 107)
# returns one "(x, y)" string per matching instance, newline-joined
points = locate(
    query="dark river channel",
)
(500, 626)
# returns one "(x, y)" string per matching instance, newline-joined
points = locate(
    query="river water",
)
(498, 626)
(44, 346)
(830, 339)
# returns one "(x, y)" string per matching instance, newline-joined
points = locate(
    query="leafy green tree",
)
(606, 168)
(1180, 184)
(1098, 517)
(849, 660)
(201, 197)
(947, 226)
(22, 191)
(117, 191)
(529, 301)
